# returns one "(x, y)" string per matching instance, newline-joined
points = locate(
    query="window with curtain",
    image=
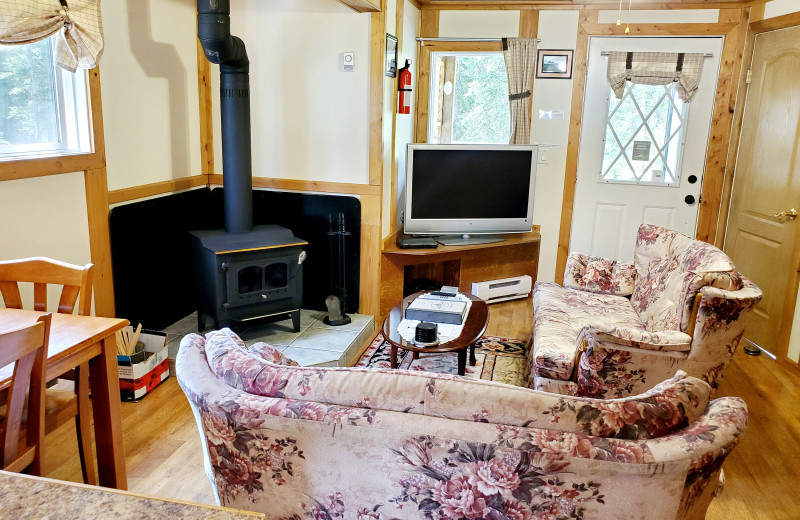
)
(469, 98)
(44, 109)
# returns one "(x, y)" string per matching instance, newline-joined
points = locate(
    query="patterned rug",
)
(499, 359)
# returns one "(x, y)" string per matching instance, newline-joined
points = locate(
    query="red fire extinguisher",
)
(404, 77)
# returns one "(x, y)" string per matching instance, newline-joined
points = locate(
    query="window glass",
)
(43, 109)
(644, 135)
(469, 99)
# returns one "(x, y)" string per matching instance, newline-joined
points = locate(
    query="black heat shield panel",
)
(151, 251)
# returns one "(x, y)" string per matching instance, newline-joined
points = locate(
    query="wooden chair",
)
(27, 349)
(76, 282)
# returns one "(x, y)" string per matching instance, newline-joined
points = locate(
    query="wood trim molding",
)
(424, 75)
(156, 188)
(206, 119)
(376, 79)
(551, 5)
(757, 13)
(720, 136)
(393, 188)
(96, 185)
(415, 3)
(40, 167)
(743, 60)
(657, 29)
(301, 185)
(364, 6)
(370, 261)
(575, 117)
(774, 24)
(429, 28)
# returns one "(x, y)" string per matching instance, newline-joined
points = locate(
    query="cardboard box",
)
(140, 374)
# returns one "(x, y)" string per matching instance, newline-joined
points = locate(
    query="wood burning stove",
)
(241, 272)
(248, 275)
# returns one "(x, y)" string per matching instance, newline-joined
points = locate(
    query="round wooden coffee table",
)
(474, 326)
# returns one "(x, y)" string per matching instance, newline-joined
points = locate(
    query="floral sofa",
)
(616, 329)
(354, 443)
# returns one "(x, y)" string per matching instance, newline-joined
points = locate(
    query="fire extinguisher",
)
(404, 77)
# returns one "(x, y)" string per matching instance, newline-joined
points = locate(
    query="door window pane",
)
(644, 136)
(469, 99)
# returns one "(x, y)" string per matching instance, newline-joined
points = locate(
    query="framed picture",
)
(391, 56)
(554, 63)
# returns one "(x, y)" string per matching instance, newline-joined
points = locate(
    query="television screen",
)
(469, 188)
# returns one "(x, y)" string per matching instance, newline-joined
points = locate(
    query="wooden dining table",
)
(75, 340)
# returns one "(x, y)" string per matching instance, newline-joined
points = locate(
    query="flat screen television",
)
(465, 189)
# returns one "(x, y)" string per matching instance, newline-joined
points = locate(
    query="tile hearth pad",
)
(317, 344)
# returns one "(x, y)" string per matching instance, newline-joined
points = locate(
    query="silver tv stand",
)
(468, 240)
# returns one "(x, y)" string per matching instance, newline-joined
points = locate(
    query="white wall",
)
(478, 24)
(780, 8)
(309, 120)
(557, 30)
(149, 83)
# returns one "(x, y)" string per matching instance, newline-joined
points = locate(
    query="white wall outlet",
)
(348, 62)
(542, 156)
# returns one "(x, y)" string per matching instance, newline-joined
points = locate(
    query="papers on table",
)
(445, 331)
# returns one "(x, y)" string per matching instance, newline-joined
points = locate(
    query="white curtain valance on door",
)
(656, 68)
(79, 42)
(520, 58)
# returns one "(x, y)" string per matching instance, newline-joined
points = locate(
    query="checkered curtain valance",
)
(76, 23)
(656, 68)
(520, 59)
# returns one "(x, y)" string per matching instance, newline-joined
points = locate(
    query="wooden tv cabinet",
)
(458, 266)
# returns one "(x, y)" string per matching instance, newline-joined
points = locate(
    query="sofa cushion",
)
(599, 275)
(560, 314)
(670, 270)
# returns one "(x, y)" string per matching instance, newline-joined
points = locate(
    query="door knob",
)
(786, 215)
(689, 199)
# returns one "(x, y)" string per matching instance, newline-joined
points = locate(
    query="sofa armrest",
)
(599, 275)
(667, 340)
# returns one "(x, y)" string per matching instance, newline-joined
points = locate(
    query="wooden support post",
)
(100, 241)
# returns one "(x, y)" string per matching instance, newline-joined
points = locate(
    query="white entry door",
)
(641, 158)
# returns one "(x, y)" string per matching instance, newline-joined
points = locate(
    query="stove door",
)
(258, 281)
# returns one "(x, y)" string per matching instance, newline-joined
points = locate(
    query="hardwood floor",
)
(164, 455)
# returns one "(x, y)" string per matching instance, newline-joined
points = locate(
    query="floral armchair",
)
(354, 443)
(616, 329)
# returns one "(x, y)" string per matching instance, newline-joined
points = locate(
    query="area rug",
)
(498, 359)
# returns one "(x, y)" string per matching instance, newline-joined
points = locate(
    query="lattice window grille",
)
(675, 126)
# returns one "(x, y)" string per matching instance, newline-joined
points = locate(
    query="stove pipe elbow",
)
(214, 33)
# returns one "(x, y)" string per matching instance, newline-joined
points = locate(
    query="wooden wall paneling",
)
(305, 185)
(370, 279)
(573, 141)
(376, 79)
(156, 188)
(393, 189)
(774, 24)
(744, 59)
(206, 119)
(429, 28)
(720, 138)
(96, 183)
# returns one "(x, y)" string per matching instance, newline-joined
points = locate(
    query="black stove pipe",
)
(219, 46)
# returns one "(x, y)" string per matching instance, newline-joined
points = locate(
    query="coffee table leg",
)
(472, 359)
(393, 356)
(415, 355)
(462, 361)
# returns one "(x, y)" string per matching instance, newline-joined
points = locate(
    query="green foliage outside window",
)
(28, 109)
(481, 113)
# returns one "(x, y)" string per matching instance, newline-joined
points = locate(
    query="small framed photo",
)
(391, 56)
(554, 64)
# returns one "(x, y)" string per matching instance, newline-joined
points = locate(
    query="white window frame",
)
(679, 139)
(433, 87)
(73, 113)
